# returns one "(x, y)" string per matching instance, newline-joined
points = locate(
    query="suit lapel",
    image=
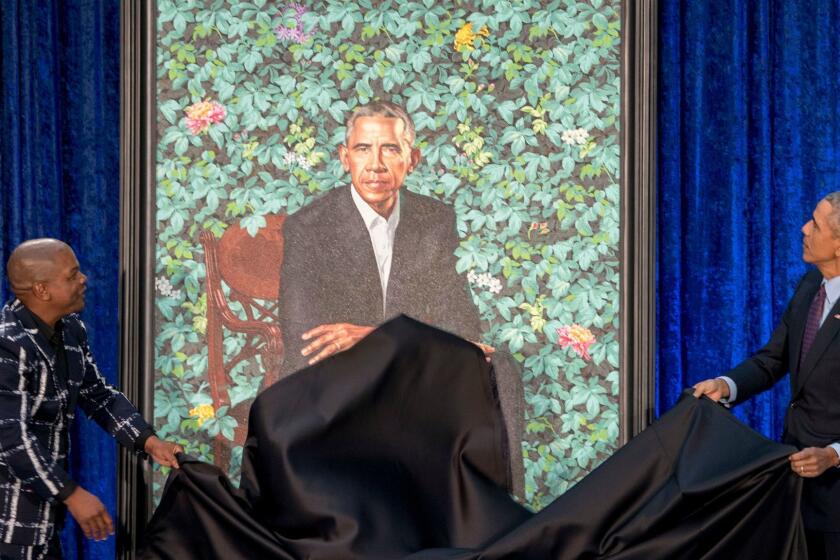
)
(406, 240)
(354, 243)
(797, 332)
(36, 340)
(827, 332)
(75, 364)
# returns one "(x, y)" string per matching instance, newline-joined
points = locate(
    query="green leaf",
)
(600, 21)
(252, 224)
(181, 145)
(348, 23)
(506, 110)
(170, 109)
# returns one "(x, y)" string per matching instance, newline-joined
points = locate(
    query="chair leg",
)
(221, 452)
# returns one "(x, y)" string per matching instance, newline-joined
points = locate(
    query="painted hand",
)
(332, 338)
(486, 348)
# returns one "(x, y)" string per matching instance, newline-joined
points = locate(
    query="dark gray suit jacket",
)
(813, 415)
(329, 272)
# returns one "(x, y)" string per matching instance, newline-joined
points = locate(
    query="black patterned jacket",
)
(37, 408)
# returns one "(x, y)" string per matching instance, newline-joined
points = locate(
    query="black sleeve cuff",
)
(68, 489)
(140, 442)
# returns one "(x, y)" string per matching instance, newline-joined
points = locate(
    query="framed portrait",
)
(516, 143)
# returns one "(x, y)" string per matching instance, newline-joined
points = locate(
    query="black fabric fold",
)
(395, 449)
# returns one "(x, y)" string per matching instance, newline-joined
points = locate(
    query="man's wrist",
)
(732, 389)
(68, 489)
(835, 450)
(142, 439)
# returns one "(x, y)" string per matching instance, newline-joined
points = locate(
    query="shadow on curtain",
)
(59, 177)
(749, 142)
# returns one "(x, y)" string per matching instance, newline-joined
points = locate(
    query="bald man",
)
(46, 369)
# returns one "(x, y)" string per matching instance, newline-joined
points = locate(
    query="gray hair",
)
(382, 109)
(834, 217)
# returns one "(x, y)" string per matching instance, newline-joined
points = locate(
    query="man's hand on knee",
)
(332, 338)
(486, 348)
(90, 514)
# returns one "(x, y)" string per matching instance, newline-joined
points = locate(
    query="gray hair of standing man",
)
(834, 217)
(382, 109)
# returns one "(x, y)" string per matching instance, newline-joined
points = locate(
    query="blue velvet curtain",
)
(749, 142)
(59, 177)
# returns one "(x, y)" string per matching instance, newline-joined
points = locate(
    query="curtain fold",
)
(749, 94)
(59, 177)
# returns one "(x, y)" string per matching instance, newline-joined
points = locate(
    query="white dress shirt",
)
(382, 233)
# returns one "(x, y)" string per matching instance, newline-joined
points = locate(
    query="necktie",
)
(813, 324)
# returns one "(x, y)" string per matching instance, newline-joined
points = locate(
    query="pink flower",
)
(295, 33)
(579, 338)
(204, 113)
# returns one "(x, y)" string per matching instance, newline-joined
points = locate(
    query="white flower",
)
(575, 136)
(303, 162)
(485, 281)
(495, 286)
(163, 286)
(291, 159)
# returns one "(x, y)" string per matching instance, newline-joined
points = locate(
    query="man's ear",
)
(416, 157)
(40, 291)
(342, 157)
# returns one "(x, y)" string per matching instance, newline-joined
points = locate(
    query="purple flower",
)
(295, 33)
(282, 32)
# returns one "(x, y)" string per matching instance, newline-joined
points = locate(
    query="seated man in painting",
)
(367, 252)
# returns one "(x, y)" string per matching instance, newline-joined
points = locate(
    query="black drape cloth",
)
(396, 449)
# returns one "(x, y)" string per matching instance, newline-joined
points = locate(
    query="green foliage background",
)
(537, 211)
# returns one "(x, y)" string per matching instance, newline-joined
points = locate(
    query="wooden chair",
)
(250, 267)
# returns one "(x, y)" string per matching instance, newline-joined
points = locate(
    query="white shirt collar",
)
(832, 290)
(369, 215)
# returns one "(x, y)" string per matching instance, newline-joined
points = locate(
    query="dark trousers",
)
(822, 546)
(49, 551)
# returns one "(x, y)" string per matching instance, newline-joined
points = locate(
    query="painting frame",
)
(138, 163)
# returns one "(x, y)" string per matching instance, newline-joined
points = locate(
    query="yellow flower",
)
(203, 412)
(248, 153)
(200, 324)
(199, 110)
(464, 37)
(581, 334)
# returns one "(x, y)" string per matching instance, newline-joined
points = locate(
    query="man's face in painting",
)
(378, 155)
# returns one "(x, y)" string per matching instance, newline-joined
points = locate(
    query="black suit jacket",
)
(813, 416)
(329, 272)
